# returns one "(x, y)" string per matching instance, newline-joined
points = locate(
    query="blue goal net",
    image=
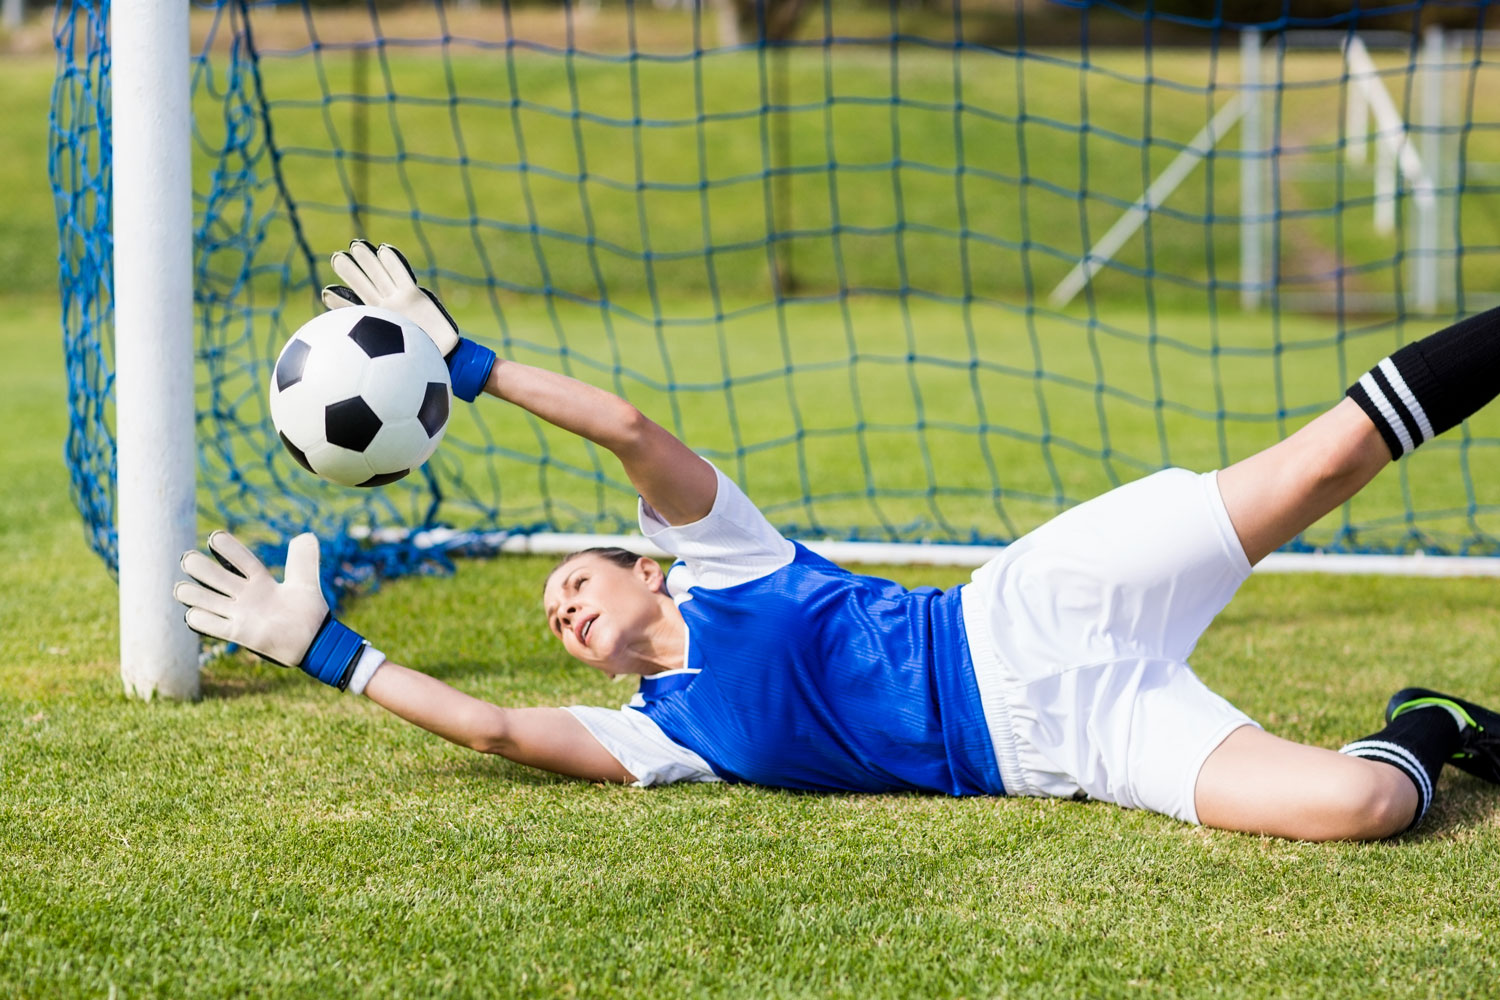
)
(925, 272)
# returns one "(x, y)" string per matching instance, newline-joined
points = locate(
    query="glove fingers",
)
(204, 599)
(364, 255)
(440, 308)
(210, 574)
(338, 296)
(395, 264)
(302, 560)
(347, 268)
(211, 625)
(232, 552)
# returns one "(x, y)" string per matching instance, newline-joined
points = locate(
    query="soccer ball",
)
(360, 396)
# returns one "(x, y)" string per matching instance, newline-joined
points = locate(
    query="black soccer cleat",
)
(1480, 751)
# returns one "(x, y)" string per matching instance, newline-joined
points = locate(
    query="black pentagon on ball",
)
(289, 368)
(378, 337)
(296, 452)
(385, 477)
(350, 423)
(434, 411)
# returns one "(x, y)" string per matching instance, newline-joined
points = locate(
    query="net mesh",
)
(830, 259)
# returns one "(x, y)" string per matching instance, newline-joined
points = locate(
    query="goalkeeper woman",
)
(1060, 669)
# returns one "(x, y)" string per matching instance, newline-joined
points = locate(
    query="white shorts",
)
(1080, 633)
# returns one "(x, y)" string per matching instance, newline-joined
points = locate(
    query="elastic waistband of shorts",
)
(991, 677)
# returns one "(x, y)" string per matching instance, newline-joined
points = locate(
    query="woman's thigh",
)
(1276, 494)
(1259, 783)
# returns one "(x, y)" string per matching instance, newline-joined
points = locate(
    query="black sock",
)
(1434, 384)
(1418, 742)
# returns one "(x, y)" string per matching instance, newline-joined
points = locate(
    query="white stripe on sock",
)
(1397, 749)
(1399, 384)
(1400, 757)
(1387, 411)
(1423, 795)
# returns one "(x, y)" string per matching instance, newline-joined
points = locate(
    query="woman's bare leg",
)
(1274, 495)
(1420, 391)
(1258, 783)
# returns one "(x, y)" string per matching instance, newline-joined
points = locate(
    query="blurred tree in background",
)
(1042, 22)
(743, 21)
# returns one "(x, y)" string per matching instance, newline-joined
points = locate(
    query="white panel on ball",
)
(340, 465)
(400, 381)
(336, 368)
(401, 445)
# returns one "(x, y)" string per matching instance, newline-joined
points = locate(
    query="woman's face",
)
(604, 612)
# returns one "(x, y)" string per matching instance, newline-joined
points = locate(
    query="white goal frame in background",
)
(939, 554)
(152, 201)
(1430, 175)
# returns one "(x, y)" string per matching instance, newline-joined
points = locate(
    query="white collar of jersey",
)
(654, 686)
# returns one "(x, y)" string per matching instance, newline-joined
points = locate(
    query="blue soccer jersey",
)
(800, 674)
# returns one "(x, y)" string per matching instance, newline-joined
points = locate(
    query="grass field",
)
(276, 839)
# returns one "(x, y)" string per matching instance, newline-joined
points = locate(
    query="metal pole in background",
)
(359, 133)
(156, 514)
(1426, 233)
(781, 162)
(1451, 183)
(1252, 172)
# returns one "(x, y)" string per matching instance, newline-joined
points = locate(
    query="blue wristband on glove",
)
(469, 368)
(334, 653)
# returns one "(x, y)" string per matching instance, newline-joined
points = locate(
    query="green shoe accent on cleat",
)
(1436, 702)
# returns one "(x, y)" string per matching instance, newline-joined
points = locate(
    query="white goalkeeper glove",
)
(380, 276)
(236, 599)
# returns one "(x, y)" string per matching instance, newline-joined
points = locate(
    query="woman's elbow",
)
(632, 428)
(492, 734)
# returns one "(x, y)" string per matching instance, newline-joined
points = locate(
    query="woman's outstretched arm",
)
(547, 738)
(230, 595)
(677, 484)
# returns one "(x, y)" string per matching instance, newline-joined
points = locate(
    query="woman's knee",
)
(1343, 449)
(1369, 802)
(1277, 493)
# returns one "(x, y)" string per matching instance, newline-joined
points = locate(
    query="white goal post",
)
(153, 303)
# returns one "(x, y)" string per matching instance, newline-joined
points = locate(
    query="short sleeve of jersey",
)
(732, 544)
(641, 747)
